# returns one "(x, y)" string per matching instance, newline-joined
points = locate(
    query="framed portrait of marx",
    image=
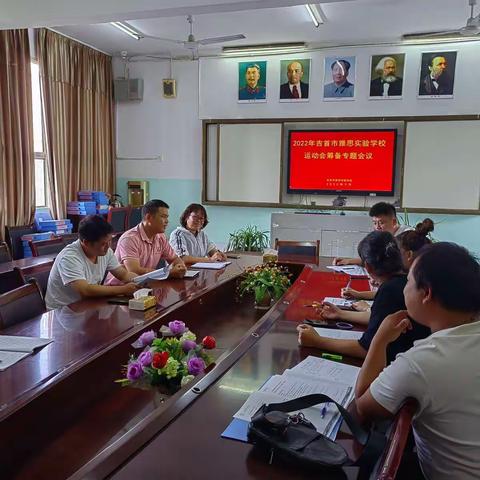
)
(252, 82)
(294, 80)
(437, 75)
(339, 78)
(386, 76)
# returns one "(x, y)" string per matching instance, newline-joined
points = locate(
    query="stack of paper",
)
(339, 302)
(352, 270)
(13, 349)
(211, 265)
(313, 375)
(160, 274)
(337, 333)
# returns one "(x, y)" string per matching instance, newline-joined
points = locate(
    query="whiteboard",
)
(249, 167)
(442, 165)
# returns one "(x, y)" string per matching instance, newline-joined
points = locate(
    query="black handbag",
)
(294, 438)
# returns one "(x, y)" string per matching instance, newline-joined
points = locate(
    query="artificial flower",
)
(177, 327)
(134, 371)
(195, 366)
(188, 345)
(145, 358)
(171, 368)
(160, 359)
(146, 338)
(188, 335)
(186, 379)
(209, 342)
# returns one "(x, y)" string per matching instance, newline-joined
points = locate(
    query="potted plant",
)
(267, 282)
(248, 239)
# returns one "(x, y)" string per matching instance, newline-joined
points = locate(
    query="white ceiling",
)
(262, 21)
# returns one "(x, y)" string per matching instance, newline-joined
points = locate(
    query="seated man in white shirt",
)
(384, 219)
(441, 372)
(80, 267)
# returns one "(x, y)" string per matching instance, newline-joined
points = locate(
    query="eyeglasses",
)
(193, 216)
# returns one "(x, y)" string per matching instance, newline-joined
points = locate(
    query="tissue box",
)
(142, 303)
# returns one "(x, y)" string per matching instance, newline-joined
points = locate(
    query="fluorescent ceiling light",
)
(129, 30)
(315, 13)
(264, 49)
(453, 39)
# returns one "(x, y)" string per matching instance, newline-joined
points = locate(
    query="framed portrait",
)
(252, 82)
(294, 80)
(437, 75)
(339, 78)
(386, 76)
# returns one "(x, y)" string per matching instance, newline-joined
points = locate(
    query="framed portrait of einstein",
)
(386, 76)
(252, 82)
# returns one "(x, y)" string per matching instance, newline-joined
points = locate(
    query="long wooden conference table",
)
(63, 416)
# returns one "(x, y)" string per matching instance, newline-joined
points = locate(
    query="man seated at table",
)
(439, 372)
(384, 219)
(80, 267)
(141, 248)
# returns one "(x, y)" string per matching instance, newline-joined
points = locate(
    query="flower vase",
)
(264, 303)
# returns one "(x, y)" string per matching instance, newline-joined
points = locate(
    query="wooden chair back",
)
(117, 217)
(47, 247)
(21, 304)
(134, 217)
(11, 280)
(13, 237)
(5, 255)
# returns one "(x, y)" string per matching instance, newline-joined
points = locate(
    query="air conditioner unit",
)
(126, 90)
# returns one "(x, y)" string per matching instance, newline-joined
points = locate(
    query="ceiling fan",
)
(191, 43)
(471, 28)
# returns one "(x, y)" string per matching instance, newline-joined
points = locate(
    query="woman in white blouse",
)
(190, 242)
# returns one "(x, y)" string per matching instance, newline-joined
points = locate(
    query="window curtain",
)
(17, 164)
(77, 93)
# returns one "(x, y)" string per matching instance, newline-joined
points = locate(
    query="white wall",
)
(219, 86)
(157, 126)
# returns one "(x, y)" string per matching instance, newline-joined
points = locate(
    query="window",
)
(38, 143)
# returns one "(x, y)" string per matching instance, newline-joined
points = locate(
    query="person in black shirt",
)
(383, 261)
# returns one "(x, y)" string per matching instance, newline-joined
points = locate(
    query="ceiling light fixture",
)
(265, 48)
(316, 13)
(128, 29)
(453, 39)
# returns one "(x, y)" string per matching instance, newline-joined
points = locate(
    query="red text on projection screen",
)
(349, 161)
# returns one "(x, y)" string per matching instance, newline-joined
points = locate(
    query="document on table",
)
(340, 334)
(339, 302)
(10, 343)
(7, 359)
(13, 349)
(326, 424)
(322, 368)
(160, 274)
(211, 265)
(352, 270)
(312, 375)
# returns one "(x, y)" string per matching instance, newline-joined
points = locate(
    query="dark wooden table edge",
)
(113, 457)
(77, 364)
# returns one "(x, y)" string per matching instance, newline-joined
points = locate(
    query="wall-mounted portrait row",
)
(436, 78)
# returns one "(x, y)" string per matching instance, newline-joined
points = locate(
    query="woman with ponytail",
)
(411, 241)
(383, 261)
